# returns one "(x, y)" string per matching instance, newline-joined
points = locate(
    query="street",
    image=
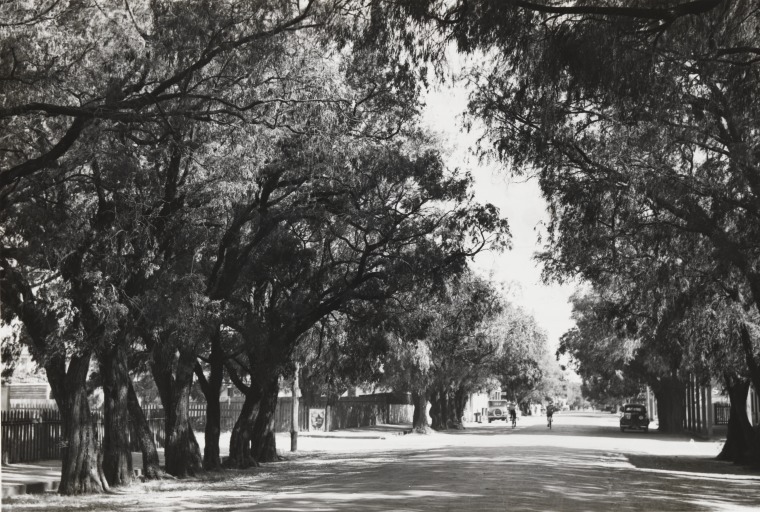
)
(583, 463)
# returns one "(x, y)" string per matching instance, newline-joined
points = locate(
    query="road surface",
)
(583, 463)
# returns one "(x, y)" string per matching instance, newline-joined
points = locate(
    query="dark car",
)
(634, 416)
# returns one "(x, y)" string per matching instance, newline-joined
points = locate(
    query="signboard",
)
(317, 420)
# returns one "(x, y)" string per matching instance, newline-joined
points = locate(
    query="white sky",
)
(519, 200)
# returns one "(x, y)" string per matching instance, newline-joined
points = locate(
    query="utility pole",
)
(294, 412)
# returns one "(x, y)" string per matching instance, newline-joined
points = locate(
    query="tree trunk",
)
(749, 356)
(443, 397)
(211, 388)
(117, 457)
(212, 460)
(438, 410)
(419, 416)
(671, 404)
(460, 402)
(182, 453)
(240, 440)
(151, 467)
(263, 444)
(81, 470)
(742, 444)
(310, 394)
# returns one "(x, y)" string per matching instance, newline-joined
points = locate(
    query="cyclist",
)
(513, 414)
(549, 414)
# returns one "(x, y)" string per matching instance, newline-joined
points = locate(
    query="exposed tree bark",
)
(742, 444)
(81, 471)
(182, 453)
(211, 388)
(151, 466)
(117, 457)
(419, 416)
(240, 440)
(669, 392)
(263, 444)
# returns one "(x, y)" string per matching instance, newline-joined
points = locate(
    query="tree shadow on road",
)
(531, 477)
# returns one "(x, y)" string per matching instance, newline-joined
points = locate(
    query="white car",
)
(498, 410)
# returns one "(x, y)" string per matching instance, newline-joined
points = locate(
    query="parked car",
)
(498, 410)
(634, 416)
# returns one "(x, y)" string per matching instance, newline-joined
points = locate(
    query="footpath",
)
(44, 476)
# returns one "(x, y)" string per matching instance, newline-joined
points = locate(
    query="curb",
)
(41, 487)
(29, 488)
(328, 436)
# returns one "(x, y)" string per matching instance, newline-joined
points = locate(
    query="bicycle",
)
(549, 422)
(514, 421)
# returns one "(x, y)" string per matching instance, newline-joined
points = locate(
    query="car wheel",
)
(622, 429)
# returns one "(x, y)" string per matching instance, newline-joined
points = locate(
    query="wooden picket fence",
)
(33, 432)
(29, 435)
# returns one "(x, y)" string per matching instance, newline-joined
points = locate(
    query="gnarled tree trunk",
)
(240, 440)
(151, 467)
(81, 471)
(182, 453)
(211, 388)
(263, 444)
(117, 457)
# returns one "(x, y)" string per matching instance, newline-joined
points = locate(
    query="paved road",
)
(578, 465)
(583, 463)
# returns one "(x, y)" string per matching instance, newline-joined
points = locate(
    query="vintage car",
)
(498, 410)
(634, 416)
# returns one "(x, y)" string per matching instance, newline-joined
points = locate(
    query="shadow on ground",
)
(531, 478)
(707, 465)
(572, 467)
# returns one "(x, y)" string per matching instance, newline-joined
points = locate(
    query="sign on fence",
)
(317, 420)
